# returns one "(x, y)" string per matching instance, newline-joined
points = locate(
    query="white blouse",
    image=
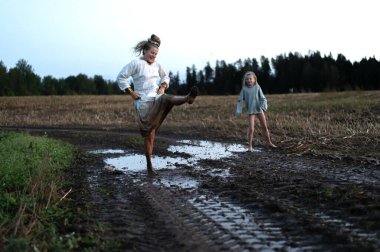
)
(145, 77)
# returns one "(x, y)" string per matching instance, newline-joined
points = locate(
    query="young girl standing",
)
(256, 104)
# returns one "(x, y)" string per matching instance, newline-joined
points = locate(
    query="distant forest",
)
(283, 74)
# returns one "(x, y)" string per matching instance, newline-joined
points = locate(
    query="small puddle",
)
(207, 150)
(197, 150)
(178, 181)
(107, 151)
(137, 162)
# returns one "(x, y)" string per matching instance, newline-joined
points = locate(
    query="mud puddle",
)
(194, 151)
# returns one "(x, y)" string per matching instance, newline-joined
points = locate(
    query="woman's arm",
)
(124, 78)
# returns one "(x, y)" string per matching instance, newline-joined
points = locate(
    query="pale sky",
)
(95, 37)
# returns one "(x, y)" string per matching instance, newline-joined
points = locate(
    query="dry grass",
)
(335, 124)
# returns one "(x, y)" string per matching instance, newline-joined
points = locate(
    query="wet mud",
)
(215, 196)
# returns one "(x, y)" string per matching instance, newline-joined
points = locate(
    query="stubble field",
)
(338, 125)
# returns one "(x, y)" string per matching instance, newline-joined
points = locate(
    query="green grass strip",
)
(31, 183)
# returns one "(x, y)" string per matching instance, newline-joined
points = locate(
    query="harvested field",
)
(318, 191)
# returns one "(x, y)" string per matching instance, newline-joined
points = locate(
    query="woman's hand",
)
(161, 90)
(135, 96)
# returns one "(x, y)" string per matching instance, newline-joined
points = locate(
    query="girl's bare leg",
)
(148, 142)
(264, 127)
(251, 129)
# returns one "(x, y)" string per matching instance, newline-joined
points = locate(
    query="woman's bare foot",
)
(151, 172)
(193, 93)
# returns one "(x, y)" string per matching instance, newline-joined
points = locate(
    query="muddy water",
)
(196, 150)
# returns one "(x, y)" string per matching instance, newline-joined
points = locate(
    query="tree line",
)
(21, 81)
(290, 72)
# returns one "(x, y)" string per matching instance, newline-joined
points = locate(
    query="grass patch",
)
(32, 193)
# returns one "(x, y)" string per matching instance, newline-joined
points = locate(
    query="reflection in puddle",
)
(137, 162)
(179, 181)
(107, 152)
(207, 150)
(198, 150)
(219, 172)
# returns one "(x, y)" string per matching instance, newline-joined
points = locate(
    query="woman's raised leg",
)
(189, 98)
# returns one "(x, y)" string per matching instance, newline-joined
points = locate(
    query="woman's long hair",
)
(146, 44)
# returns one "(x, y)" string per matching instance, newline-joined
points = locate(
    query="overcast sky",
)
(95, 37)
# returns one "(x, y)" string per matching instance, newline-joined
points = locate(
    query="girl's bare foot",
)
(272, 145)
(250, 148)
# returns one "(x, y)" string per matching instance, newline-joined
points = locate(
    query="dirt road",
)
(244, 201)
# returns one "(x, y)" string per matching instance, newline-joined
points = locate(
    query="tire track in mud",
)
(333, 223)
(127, 220)
(257, 229)
(329, 226)
(146, 215)
(195, 222)
(213, 224)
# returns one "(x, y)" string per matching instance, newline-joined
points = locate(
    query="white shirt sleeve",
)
(163, 75)
(124, 78)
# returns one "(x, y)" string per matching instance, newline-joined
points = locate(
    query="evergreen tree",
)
(23, 81)
(209, 73)
(4, 81)
(49, 85)
(264, 74)
(174, 83)
(101, 86)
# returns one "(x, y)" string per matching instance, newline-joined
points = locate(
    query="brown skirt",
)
(152, 113)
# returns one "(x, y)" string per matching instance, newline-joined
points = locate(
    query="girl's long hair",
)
(246, 75)
(141, 46)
